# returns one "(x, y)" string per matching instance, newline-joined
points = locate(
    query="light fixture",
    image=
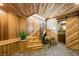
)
(1, 4)
(1, 12)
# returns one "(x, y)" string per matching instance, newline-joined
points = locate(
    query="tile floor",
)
(59, 50)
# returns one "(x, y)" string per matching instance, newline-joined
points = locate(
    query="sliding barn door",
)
(72, 32)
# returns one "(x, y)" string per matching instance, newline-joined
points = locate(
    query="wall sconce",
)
(1, 12)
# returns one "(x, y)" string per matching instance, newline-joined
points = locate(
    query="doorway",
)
(62, 31)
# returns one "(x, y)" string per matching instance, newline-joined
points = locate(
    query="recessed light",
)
(1, 4)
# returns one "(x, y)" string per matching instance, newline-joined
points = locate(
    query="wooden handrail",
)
(34, 31)
(5, 42)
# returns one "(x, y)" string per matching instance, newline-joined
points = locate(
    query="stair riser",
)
(34, 43)
(32, 48)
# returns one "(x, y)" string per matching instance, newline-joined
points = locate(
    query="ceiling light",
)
(1, 4)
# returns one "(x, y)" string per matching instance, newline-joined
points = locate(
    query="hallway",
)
(59, 50)
(29, 26)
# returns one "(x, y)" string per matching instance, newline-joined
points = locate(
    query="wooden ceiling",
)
(46, 10)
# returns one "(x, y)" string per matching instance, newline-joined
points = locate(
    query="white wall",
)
(34, 21)
(52, 22)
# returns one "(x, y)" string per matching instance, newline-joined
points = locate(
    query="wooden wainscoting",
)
(8, 47)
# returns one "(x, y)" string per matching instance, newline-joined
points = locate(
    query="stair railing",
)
(34, 31)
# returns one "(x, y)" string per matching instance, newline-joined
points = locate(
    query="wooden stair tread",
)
(33, 41)
(34, 48)
(34, 45)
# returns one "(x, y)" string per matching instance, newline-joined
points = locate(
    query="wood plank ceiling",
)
(46, 10)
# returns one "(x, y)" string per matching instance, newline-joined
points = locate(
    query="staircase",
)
(52, 32)
(34, 41)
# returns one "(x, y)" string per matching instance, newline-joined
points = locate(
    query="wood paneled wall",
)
(4, 26)
(9, 26)
(13, 26)
(72, 32)
(9, 29)
(23, 24)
